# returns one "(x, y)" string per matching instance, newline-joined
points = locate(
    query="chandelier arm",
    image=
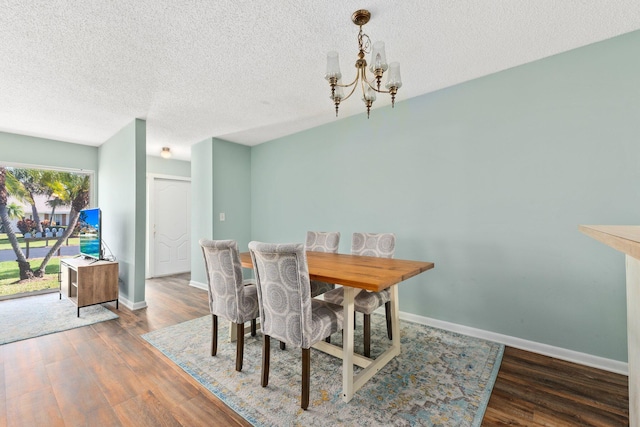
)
(364, 77)
(350, 84)
(352, 90)
(363, 80)
(376, 89)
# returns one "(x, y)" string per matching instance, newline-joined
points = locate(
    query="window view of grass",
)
(5, 245)
(10, 283)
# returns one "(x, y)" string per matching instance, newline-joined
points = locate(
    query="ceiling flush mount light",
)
(165, 153)
(377, 66)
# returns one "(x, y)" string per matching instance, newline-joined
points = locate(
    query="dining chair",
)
(229, 297)
(381, 245)
(287, 311)
(321, 241)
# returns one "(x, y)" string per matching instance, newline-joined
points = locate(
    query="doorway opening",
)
(169, 225)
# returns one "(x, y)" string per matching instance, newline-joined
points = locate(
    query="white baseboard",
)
(597, 362)
(131, 305)
(205, 287)
(198, 285)
(610, 365)
(29, 294)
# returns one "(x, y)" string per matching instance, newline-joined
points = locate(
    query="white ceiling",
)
(250, 71)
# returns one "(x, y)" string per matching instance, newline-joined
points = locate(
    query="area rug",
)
(29, 317)
(440, 379)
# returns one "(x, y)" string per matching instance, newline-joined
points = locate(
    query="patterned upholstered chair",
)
(319, 241)
(369, 244)
(287, 311)
(229, 298)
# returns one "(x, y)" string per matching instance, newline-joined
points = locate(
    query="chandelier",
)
(377, 66)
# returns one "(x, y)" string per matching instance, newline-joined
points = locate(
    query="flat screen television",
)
(90, 225)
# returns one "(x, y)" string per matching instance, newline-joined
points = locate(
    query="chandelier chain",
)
(364, 42)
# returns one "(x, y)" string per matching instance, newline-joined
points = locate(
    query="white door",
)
(171, 228)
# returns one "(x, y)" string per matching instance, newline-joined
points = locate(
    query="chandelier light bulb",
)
(394, 76)
(369, 95)
(165, 153)
(378, 58)
(333, 66)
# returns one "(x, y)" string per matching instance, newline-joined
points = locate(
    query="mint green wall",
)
(201, 204)
(232, 192)
(140, 211)
(221, 182)
(122, 196)
(33, 151)
(173, 167)
(47, 152)
(490, 180)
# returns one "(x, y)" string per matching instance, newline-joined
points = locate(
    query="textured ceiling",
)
(250, 71)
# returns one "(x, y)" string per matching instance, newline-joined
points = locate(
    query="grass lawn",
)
(10, 277)
(5, 244)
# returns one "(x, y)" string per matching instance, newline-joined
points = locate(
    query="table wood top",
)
(625, 238)
(84, 262)
(364, 272)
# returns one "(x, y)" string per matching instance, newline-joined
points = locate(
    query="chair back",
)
(321, 241)
(381, 245)
(224, 279)
(284, 294)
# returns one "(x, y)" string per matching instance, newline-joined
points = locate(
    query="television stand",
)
(88, 282)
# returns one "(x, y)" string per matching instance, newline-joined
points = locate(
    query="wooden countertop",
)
(625, 238)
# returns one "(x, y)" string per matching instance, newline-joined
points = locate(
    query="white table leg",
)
(338, 352)
(633, 338)
(233, 332)
(395, 319)
(350, 382)
(347, 345)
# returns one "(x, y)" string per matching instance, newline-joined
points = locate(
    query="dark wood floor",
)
(106, 375)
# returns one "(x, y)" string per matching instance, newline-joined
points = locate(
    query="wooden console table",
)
(627, 239)
(87, 282)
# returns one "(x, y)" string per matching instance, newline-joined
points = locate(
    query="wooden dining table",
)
(357, 273)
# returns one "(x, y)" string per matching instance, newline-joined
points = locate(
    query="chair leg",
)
(239, 346)
(214, 335)
(253, 327)
(387, 309)
(283, 346)
(266, 353)
(367, 335)
(306, 377)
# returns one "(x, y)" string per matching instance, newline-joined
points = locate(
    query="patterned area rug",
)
(440, 378)
(29, 317)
